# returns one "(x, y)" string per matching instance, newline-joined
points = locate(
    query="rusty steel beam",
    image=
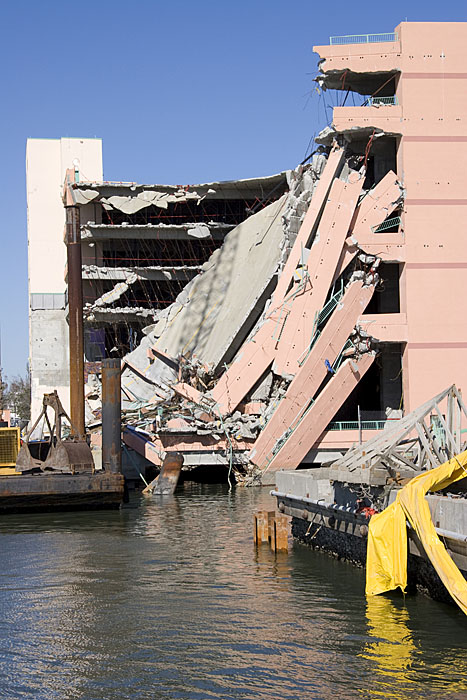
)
(111, 416)
(75, 320)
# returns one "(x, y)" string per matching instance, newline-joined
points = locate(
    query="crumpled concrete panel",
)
(131, 205)
(84, 196)
(117, 291)
(225, 295)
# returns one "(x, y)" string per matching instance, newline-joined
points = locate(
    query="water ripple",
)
(169, 599)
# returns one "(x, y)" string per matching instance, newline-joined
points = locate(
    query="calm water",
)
(169, 599)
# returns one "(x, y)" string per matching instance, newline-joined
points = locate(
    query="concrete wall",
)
(48, 341)
(46, 163)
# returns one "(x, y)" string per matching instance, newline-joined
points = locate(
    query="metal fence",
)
(363, 38)
(9, 446)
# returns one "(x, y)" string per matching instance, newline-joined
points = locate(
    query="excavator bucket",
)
(70, 456)
(25, 462)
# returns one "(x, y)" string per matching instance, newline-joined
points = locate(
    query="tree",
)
(3, 392)
(18, 395)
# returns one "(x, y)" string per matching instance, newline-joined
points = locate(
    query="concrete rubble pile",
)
(254, 358)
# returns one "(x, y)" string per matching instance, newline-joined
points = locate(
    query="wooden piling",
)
(271, 516)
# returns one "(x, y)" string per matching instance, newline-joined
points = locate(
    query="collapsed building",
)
(331, 310)
(141, 244)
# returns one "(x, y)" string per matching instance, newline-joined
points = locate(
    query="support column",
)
(111, 416)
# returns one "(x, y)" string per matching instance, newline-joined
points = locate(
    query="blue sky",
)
(180, 92)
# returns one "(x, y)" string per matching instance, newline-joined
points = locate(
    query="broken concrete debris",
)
(262, 348)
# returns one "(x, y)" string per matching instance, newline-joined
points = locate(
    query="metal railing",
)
(354, 425)
(329, 307)
(382, 101)
(340, 358)
(389, 223)
(363, 38)
(320, 317)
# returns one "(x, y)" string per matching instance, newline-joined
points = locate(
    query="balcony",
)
(363, 38)
(360, 54)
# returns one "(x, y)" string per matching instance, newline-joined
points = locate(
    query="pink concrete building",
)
(410, 88)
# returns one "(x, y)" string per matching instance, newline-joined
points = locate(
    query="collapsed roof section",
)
(130, 198)
(141, 244)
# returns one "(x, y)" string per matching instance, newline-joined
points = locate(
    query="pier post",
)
(111, 416)
(281, 533)
(261, 527)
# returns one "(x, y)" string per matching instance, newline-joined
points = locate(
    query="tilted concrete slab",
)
(313, 371)
(331, 170)
(231, 292)
(250, 363)
(209, 315)
(287, 330)
(374, 208)
(315, 420)
(322, 262)
(378, 203)
(257, 355)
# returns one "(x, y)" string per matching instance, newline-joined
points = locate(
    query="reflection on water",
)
(169, 599)
(398, 659)
(392, 649)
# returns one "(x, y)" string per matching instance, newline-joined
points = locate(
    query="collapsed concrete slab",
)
(217, 309)
(225, 301)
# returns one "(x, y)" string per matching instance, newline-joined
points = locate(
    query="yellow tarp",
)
(386, 565)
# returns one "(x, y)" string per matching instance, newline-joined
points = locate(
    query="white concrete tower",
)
(46, 163)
